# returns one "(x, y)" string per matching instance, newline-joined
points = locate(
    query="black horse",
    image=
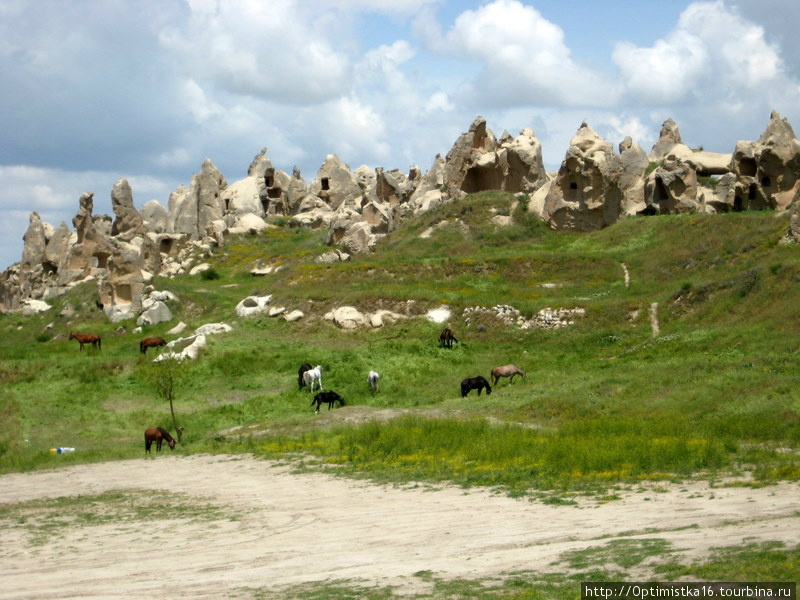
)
(475, 383)
(303, 368)
(329, 398)
(446, 338)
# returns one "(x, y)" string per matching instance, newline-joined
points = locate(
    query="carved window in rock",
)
(100, 260)
(123, 294)
(747, 167)
(326, 184)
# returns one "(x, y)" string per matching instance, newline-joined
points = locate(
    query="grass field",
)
(604, 401)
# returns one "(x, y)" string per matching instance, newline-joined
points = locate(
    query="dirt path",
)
(275, 529)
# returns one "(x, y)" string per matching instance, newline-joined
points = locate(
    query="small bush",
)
(209, 274)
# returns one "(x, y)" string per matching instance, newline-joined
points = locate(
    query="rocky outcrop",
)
(667, 138)
(767, 171)
(478, 162)
(198, 211)
(128, 223)
(586, 194)
(593, 188)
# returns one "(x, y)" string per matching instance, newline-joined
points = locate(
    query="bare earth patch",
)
(271, 528)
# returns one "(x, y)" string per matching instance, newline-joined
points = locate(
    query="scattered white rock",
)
(261, 270)
(510, 316)
(252, 305)
(119, 312)
(295, 315)
(332, 257)
(276, 311)
(381, 317)
(32, 307)
(199, 268)
(178, 329)
(213, 328)
(346, 317)
(439, 315)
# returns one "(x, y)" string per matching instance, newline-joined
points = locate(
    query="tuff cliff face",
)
(593, 188)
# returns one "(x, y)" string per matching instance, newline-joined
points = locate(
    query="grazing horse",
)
(157, 435)
(330, 398)
(446, 338)
(303, 368)
(88, 338)
(506, 371)
(475, 383)
(151, 343)
(372, 380)
(311, 376)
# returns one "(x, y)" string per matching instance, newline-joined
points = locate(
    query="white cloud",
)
(524, 58)
(277, 51)
(713, 53)
(438, 101)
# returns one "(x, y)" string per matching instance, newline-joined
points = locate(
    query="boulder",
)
(156, 313)
(197, 269)
(358, 238)
(183, 348)
(31, 307)
(213, 329)
(178, 329)
(252, 305)
(293, 316)
(248, 223)
(346, 317)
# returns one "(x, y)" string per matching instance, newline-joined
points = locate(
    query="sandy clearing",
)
(301, 528)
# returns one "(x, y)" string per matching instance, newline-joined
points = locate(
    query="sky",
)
(95, 90)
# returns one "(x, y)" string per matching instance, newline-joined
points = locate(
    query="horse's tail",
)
(99, 342)
(141, 347)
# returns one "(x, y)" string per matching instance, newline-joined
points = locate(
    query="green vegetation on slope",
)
(604, 401)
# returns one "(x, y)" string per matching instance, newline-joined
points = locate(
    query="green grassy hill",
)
(604, 401)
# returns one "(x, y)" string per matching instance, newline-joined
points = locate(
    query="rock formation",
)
(587, 192)
(593, 188)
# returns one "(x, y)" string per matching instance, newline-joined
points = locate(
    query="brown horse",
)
(446, 338)
(88, 338)
(157, 435)
(151, 342)
(506, 371)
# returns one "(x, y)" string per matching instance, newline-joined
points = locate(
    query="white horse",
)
(313, 375)
(372, 379)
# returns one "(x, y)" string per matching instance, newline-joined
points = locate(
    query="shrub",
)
(209, 274)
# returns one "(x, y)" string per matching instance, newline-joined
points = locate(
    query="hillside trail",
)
(273, 528)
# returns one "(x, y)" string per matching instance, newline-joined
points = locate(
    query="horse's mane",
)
(165, 433)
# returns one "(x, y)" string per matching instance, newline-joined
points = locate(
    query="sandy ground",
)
(293, 529)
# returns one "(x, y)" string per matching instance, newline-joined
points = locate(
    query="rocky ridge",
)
(593, 188)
